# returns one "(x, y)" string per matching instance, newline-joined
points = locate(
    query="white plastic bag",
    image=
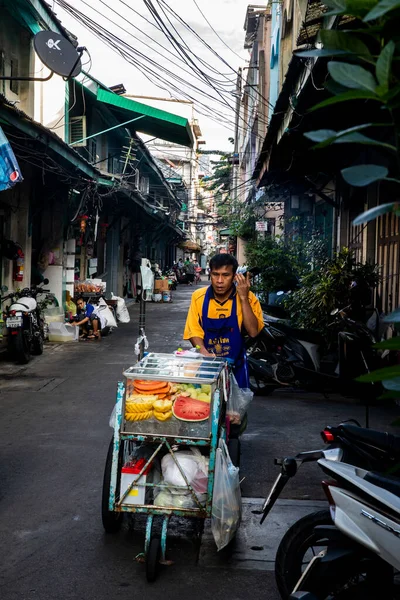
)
(227, 502)
(147, 283)
(105, 315)
(166, 498)
(193, 465)
(122, 311)
(238, 401)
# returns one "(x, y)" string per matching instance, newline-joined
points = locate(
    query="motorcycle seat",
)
(305, 335)
(381, 440)
(386, 482)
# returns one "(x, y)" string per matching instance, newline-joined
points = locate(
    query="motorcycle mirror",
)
(45, 281)
(334, 312)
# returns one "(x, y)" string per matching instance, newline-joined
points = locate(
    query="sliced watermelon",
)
(186, 408)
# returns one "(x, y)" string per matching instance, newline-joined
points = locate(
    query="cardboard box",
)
(161, 285)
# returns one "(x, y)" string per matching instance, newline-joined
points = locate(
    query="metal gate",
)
(388, 258)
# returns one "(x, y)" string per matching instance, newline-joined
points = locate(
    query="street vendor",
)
(88, 320)
(220, 315)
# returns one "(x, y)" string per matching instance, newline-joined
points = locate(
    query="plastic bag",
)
(167, 498)
(227, 502)
(122, 311)
(238, 401)
(105, 315)
(193, 465)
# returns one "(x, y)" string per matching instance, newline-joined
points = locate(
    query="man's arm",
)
(250, 321)
(193, 330)
(79, 323)
(198, 341)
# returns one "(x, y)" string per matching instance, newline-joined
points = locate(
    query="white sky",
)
(226, 16)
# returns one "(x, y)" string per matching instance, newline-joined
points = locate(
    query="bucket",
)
(166, 297)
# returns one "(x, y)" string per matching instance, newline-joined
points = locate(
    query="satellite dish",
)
(57, 53)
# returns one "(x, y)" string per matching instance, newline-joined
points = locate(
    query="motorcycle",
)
(360, 549)
(286, 356)
(330, 574)
(25, 323)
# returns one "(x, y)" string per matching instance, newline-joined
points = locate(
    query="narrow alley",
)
(54, 435)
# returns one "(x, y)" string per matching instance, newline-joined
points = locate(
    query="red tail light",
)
(13, 313)
(327, 436)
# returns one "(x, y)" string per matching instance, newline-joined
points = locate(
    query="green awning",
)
(156, 122)
(225, 232)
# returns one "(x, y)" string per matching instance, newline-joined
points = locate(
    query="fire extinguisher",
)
(19, 266)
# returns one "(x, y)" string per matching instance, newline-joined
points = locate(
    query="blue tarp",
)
(10, 173)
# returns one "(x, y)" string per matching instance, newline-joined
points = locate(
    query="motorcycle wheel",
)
(37, 344)
(20, 348)
(300, 544)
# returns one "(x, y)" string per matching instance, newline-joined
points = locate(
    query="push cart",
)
(155, 439)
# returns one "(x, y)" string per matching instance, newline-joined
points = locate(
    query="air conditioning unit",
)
(77, 131)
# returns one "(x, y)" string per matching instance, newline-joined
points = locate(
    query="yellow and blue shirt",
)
(217, 310)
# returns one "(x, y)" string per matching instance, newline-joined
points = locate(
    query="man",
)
(219, 315)
(88, 320)
(189, 268)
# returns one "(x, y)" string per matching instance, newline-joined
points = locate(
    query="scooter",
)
(362, 449)
(292, 357)
(25, 323)
(361, 548)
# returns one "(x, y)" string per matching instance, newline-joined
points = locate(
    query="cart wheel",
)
(112, 521)
(152, 559)
(234, 451)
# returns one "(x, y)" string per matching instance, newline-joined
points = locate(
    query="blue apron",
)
(223, 337)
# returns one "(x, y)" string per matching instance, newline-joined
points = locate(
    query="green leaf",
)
(321, 135)
(319, 53)
(350, 95)
(380, 375)
(384, 65)
(393, 317)
(363, 175)
(359, 138)
(352, 76)
(390, 396)
(390, 344)
(373, 213)
(332, 39)
(381, 9)
(337, 7)
(392, 385)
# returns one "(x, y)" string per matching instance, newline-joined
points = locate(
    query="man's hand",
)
(242, 285)
(204, 352)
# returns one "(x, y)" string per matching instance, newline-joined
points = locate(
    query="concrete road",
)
(54, 435)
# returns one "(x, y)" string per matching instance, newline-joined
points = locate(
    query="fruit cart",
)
(155, 426)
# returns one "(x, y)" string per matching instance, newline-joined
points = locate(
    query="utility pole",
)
(235, 165)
